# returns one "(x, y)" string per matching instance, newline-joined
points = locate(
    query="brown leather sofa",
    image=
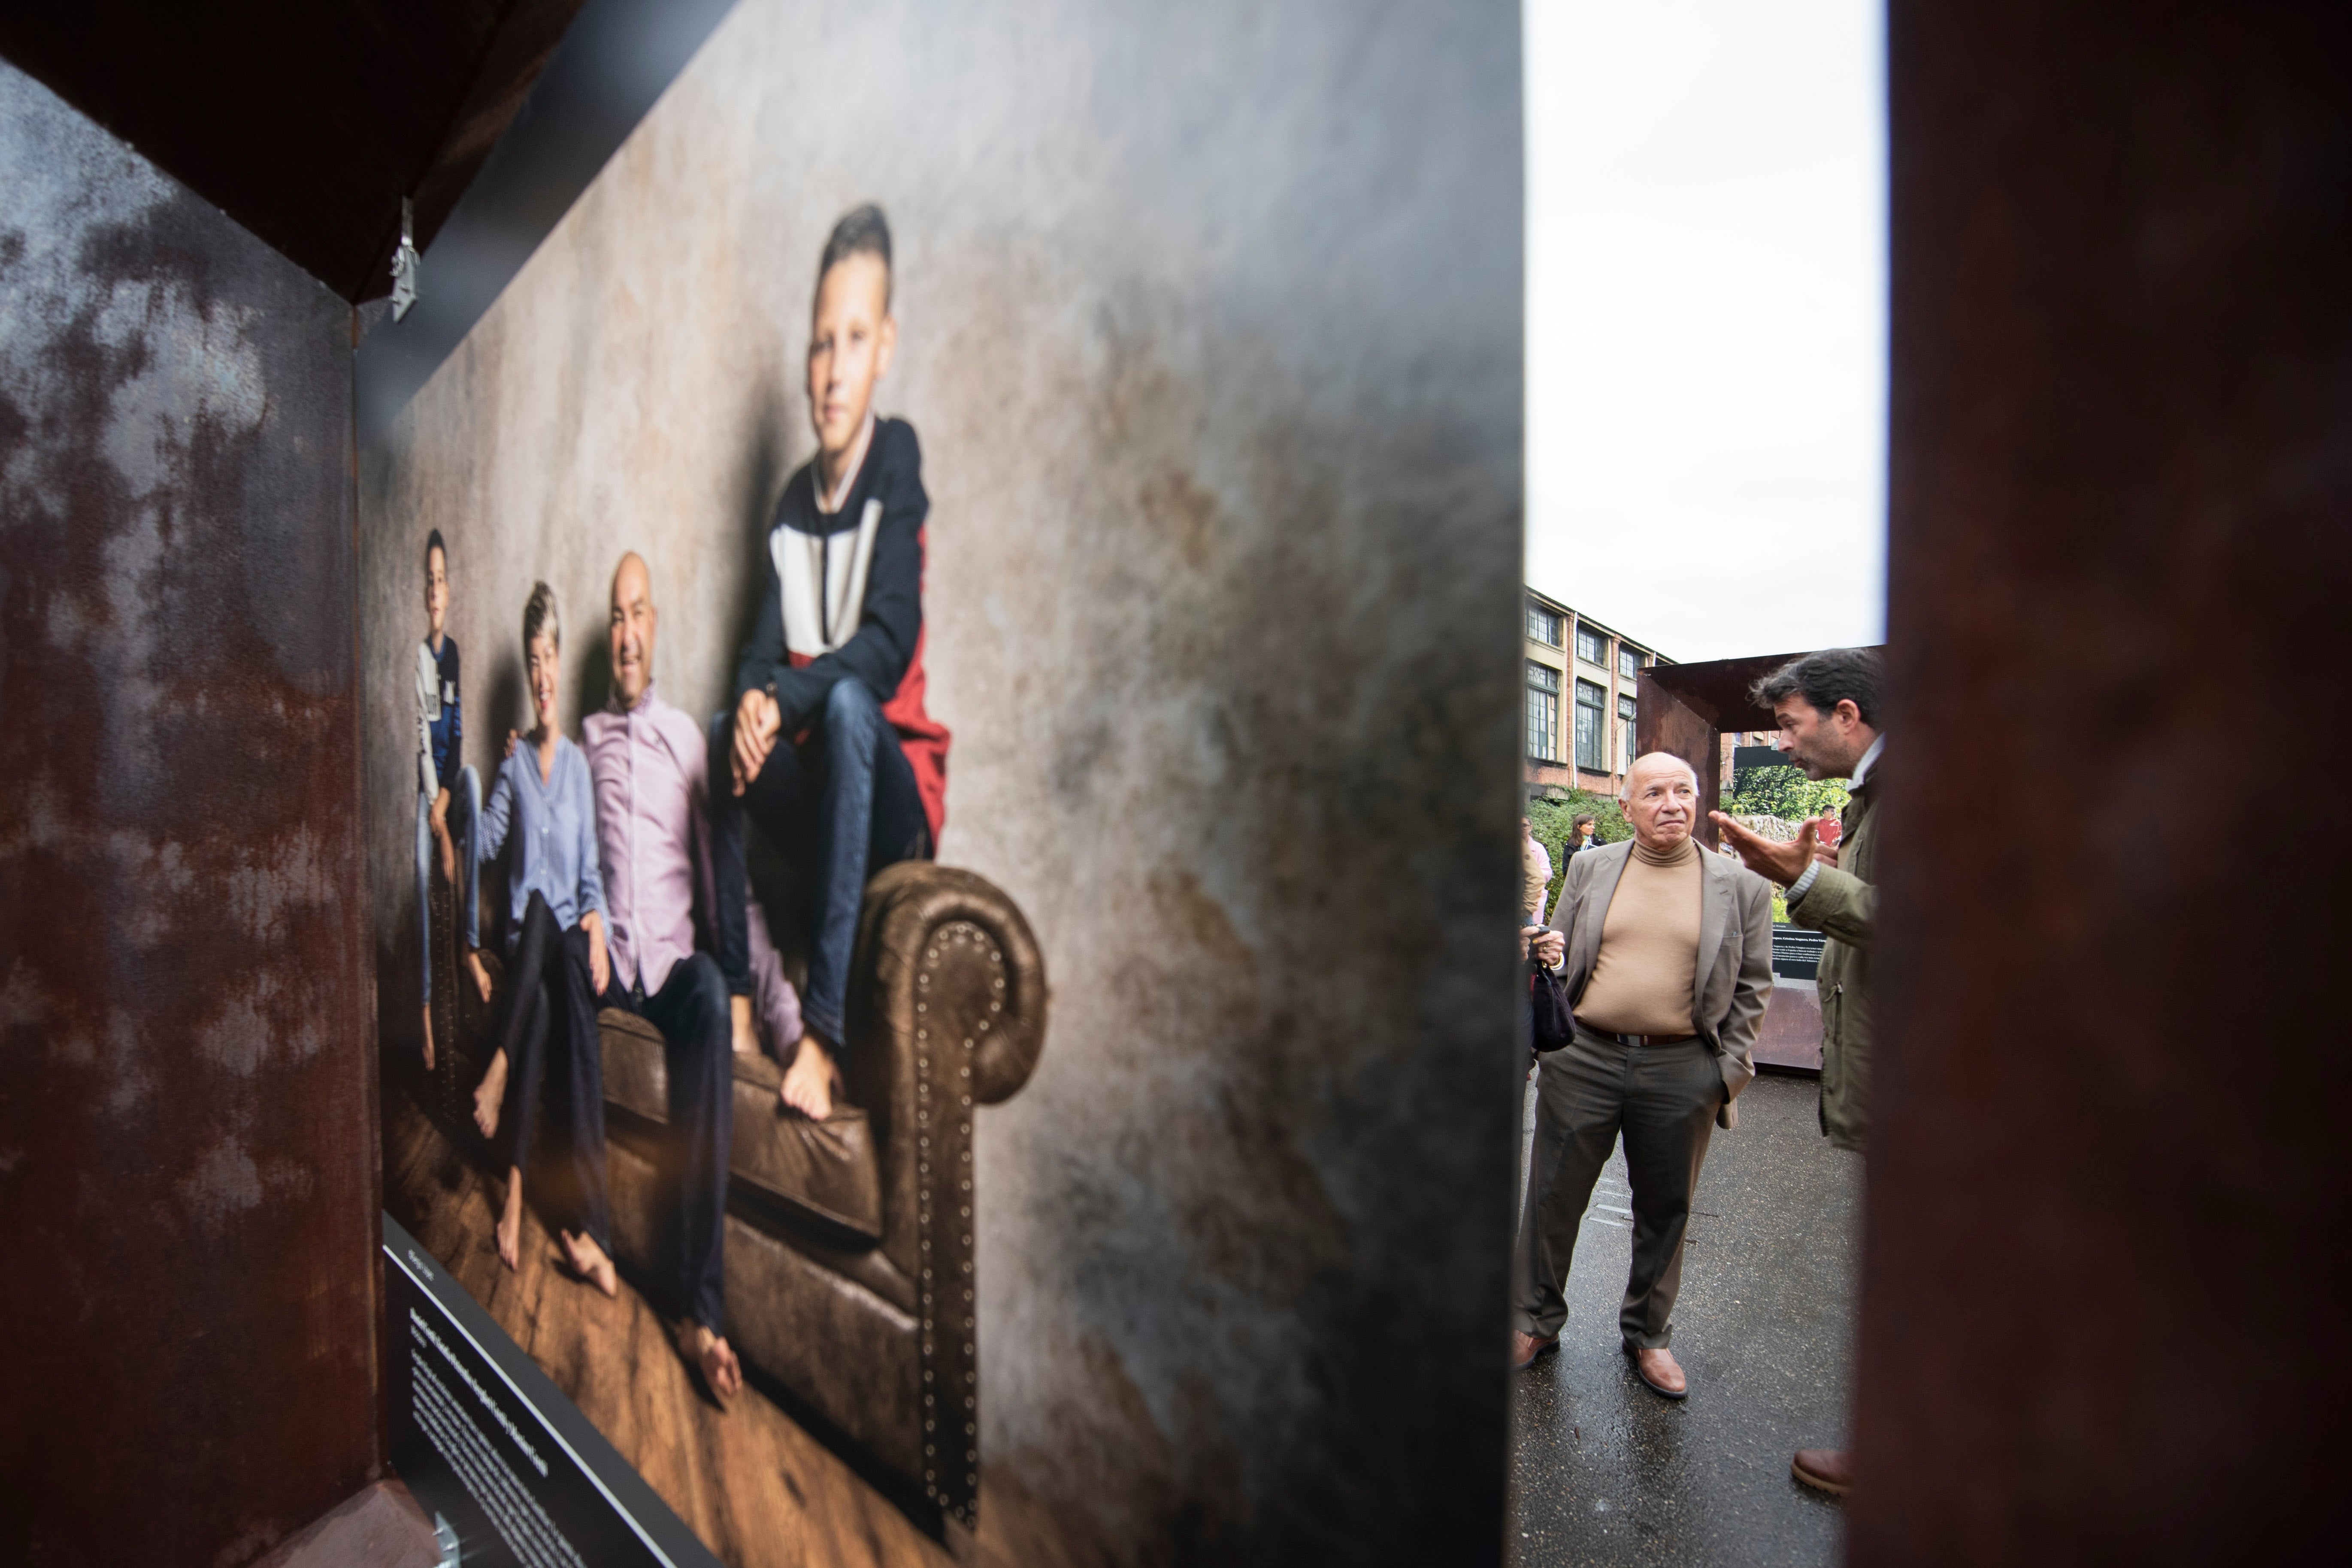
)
(849, 1242)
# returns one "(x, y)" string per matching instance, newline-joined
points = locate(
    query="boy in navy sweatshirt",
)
(828, 747)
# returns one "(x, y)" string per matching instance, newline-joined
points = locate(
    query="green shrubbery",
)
(1554, 820)
(1785, 792)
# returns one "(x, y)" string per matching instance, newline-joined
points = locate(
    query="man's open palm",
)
(1781, 863)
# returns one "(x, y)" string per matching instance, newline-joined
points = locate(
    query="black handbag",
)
(1553, 1021)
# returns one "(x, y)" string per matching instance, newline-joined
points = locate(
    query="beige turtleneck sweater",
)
(1648, 960)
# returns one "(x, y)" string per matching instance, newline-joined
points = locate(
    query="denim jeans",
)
(840, 805)
(465, 831)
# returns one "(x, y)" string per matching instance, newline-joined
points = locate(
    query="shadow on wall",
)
(592, 678)
(506, 710)
(767, 464)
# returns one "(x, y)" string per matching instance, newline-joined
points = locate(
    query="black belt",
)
(1617, 1039)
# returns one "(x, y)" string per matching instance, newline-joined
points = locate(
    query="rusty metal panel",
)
(1790, 1035)
(2100, 1313)
(1663, 721)
(1717, 690)
(187, 1155)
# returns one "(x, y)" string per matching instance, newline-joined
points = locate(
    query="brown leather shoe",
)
(1827, 1470)
(1525, 1348)
(1660, 1371)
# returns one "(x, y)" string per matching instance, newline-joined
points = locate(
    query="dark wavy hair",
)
(1857, 675)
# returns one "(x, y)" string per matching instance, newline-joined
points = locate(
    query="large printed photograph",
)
(916, 746)
(635, 1056)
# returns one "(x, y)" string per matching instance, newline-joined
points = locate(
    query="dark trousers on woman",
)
(840, 805)
(548, 1029)
(698, 1046)
(1663, 1099)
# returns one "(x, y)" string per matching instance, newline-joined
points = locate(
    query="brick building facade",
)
(1581, 682)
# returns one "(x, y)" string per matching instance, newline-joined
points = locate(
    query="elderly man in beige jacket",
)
(1667, 954)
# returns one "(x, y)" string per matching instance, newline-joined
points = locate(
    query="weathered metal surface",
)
(307, 123)
(1663, 721)
(1790, 1035)
(187, 1193)
(2102, 1305)
(1717, 690)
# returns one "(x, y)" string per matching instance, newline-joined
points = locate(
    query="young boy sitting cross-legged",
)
(828, 748)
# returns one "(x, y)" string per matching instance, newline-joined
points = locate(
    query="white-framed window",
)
(1629, 659)
(1543, 625)
(1543, 712)
(1592, 647)
(1591, 737)
(1625, 729)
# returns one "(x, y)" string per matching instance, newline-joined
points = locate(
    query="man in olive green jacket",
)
(1828, 708)
(1840, 901)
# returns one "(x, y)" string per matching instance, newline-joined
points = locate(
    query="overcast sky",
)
(1706, 306)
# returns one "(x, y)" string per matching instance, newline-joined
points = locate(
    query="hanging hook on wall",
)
(404, 262)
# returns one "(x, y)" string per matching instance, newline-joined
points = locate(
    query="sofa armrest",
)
(947, 1011)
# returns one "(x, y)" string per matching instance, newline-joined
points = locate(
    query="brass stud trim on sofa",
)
(960, 1501)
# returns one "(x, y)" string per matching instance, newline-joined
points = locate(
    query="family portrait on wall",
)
(744, 1095)
(883, 648)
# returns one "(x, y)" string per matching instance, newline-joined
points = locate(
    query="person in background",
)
(557, 966)
(1667, 957)
(1828, 708)
(448, 793)
(1580, 836)
(1535, 863)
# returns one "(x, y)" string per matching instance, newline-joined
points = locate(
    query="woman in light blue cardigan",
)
(543, 805)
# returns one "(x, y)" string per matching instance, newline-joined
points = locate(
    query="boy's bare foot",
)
(811, 1082)
(747, 1038)
(428, 1036)
(491, 1095)
(510, 1221)
(713, 1357)
(588, 1261)
(475, 967)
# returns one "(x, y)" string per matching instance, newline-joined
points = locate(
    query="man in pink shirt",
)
(649, 765)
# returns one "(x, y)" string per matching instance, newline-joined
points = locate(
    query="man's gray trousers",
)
(1664, 1100)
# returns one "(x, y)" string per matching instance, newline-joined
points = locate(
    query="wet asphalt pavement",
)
(1604, 1471)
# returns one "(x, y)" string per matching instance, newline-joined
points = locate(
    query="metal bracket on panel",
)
(405, 263)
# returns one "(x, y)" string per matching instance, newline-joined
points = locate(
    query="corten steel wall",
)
(1211, 330)
(187, 1164)
(2101, 1306)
